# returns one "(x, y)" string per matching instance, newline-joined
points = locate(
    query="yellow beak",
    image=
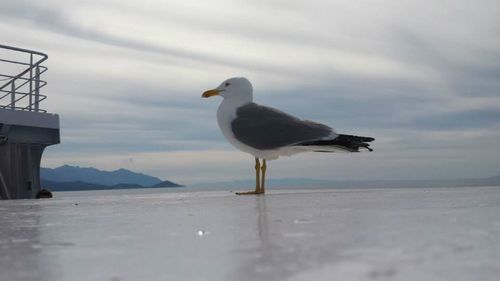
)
(210, 93)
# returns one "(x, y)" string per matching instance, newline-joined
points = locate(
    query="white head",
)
(233, 88)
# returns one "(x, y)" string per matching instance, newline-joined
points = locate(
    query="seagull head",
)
(236, 87)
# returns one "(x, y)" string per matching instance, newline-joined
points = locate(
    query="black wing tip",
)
(355, 141)
(364, 145)
(367, 147)
(356, 138)
(348, 142)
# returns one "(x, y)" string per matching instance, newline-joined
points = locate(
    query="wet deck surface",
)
(384, 234)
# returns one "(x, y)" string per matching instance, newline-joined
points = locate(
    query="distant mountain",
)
(79, 185)
(127, 185)
(68, 178)
(313, 183)
(167, 184)
(495, 178)
(286, 182)
(71, 186)
(92, 175)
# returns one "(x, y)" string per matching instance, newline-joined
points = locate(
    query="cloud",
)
(476, 119)
(126, 79)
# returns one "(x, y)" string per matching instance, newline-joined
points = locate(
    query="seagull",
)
(268, 133)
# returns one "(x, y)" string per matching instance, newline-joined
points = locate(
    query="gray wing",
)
(264, 128)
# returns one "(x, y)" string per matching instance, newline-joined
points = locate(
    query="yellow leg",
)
(263, 184)
(258, 189)
(257, 175)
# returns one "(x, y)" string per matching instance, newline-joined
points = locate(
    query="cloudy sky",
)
(126, 78)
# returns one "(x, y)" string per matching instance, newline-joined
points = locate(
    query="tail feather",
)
(347, 142)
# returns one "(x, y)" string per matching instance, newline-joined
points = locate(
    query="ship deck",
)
(371, 234)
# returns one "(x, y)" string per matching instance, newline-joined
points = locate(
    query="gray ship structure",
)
(25, 128)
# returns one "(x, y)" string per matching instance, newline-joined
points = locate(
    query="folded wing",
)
(264, 128)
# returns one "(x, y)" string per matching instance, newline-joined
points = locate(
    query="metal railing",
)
(20, 86)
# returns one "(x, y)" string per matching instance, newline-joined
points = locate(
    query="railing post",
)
(31, 83)
(31, 75)
(13, 95)
(37, 87)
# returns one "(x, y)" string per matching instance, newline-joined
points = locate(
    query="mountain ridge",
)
(67, 173)
(318, 183)
(68, 177)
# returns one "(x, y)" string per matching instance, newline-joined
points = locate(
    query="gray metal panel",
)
(22, 134)
(29, 118)
(19, 169)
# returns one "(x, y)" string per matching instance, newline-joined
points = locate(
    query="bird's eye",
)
(227, 84)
